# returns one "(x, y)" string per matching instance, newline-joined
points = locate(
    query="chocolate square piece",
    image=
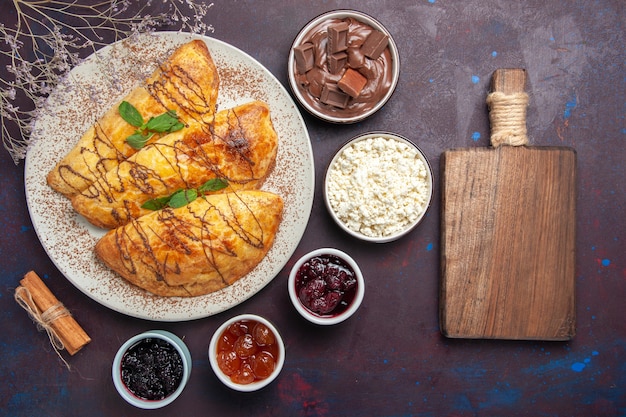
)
(305, 57)
(337, 37)
(352, 82)
(375, 44)
(332, 96)
(356, 59)
(368, 71)
(336, 62)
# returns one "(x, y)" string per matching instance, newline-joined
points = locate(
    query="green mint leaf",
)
(214, 184)
(156, 203)
(177, 126)
(162, 123)
(138, 140)
(130, 114)
(182, 198)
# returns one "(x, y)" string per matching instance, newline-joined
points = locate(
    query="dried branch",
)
(50, 37)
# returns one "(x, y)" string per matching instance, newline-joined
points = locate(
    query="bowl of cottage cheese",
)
(378, 187)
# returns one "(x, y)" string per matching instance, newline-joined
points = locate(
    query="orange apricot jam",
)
(247, 351)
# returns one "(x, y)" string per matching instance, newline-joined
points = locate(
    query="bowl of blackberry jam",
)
(151, 369)
(326, 286)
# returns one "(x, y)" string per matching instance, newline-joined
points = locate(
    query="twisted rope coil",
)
(507, 113)
(44, 319)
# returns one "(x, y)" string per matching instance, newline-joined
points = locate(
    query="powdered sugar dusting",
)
(101, 81)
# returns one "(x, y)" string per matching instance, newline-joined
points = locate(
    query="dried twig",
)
(50, 37)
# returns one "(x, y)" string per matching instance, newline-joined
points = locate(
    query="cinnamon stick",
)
(48, 311)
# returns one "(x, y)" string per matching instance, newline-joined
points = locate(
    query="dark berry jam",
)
(326, 285)
(152, 369)
(247, 351)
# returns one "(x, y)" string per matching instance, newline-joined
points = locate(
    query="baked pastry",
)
(187, 83)
(193, 250)
(239, 147)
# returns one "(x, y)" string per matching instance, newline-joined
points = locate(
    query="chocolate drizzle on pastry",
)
(217, 237)
(187, 83)
(239, 147)
(176, 88)
(200, 248)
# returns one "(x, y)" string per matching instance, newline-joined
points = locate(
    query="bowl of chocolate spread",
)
(343, 66)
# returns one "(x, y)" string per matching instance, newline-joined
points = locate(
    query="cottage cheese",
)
(378, 186)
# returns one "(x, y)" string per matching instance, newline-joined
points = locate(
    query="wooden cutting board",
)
(508, 230)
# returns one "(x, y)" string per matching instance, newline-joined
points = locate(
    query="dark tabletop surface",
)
(390, 359)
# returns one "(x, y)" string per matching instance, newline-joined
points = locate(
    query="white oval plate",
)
(97, 84)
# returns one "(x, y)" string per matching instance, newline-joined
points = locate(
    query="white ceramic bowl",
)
(339, 116)
(379, 200)
(257, 385)
(126, 394)
(330, 319)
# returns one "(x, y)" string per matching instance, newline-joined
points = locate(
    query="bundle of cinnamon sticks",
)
(50, 314)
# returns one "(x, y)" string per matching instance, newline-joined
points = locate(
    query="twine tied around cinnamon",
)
(44, 319)
(507, 113)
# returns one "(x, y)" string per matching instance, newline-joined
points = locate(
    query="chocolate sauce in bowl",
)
(343, 98)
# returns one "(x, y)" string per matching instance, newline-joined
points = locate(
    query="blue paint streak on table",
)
(390, 359)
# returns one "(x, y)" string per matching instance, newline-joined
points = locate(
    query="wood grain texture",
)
(509, 80)
(508, 243)
(508, 238)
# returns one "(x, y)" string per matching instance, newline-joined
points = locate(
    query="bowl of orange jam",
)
(246, 352)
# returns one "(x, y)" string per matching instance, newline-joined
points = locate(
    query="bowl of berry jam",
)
(246, 353)
(326, 286)
(151, 369)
